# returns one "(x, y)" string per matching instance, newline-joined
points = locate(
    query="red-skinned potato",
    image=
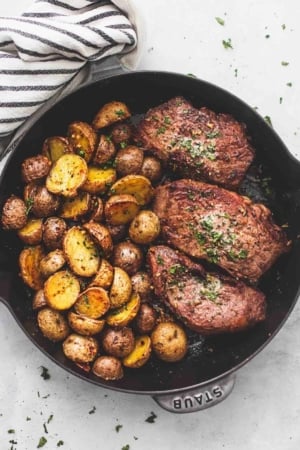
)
(54, 229)
(128, 256)
(14, 213)
(118, 343)
(108, 367)
(35, 168)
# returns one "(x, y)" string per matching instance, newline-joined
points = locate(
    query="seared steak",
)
(197, 143)
(209, 222)
(208, 303)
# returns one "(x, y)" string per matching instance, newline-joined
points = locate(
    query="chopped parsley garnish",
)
(42, 442)
(45, 428)
(126, 447)
(60, 443)
(227, 44)
(167, 120)
(151, 418)
(29, 204)
(50, 418)
(159, 260)
(161, 130)
(235, 72)
(80, 152)
(284, 63)
(120, 113)
(267, 36)
(123, 144)
(177, 269)
(45, 373)
(280, 100)
(212, 255)
(268, 120)
(212, 134)
(118, 428)
(283, 26)
(11, 431)
(92, 411)
(289, 84)
(220, 21)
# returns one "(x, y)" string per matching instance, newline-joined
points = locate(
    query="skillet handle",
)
(197, 399)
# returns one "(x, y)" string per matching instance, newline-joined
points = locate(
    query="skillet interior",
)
(213, 357)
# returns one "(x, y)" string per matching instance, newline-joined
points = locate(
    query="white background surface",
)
(263, 411)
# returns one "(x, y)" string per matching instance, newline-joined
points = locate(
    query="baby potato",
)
(140, 353)
(80, 349)
(56, 146)
(120, 209)
(67, 175)
(52, 324)
(118, 343)
(122, 316)
(146, 318)
(110, 113)
(141, 284)
(137, 185)
(120, 290)
(108, 367)
(44, 203)
(32, 232)
(151, 168)
(35, 168)
(99, 180)
(52, 262)
(105, 275)
(105, 150)
(97, 209)
(128, 257)
(74, 208)
(117, 232)
(39, 300)
(101, 236)
(54, 229)
(83, 139)
(29, 262)
(129, 160)
(145, 227)
(121, 132)
(169, 341)
(61, 290)
(85, 325)
(93, 302)
(14, 213)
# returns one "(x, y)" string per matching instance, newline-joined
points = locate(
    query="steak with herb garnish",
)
(211, 223)
(209, 303)
(197, 143)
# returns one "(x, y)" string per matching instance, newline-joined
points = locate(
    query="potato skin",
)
(54, 229)
(121, 132)
(14, 213)
(85, 325)
(52, 324)
(117, 232)
(129, 160)
(141, 284)
(169, 341)
(80, 349)
(145, 227)
(110, 113)
(105, 150)
(146, 318)
(35, 168)
(52, 262)
(39, 300)
(128, 256)
(44, 202)
(118, 343)
(151, 168)
(108, 367)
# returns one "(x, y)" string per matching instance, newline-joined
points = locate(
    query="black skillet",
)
(207, 374)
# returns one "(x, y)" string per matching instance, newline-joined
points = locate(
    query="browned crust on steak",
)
(211, 223)
(197, 143)
(209, 303)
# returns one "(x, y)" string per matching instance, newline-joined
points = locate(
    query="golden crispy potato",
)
(83, 139)
(43, 203)
(52, 324)
(108, 367)
(146, 318)
(39, 300)
(141, 284)
(121, 133)
(73, 208)
(14, 213)
(97, 209)
(128, 257)
(35, 168)
(54, 229)
(56, 146)
(32, 233)
(109, 113)
(80, 349)
(101, 236)
(105, 150)
(122, 316)
(61, 290)
(144, 228)
(136, 185)
(85, 325)
(121, 288)
(67, 175)
(129, 160)
(105, 275)
(169, 341)
(81, 252)
(29, 261)
(151, 168)
(99, 180)
(52, 262)
(93, 302)
(118, 343)
(140, 353)
(120, 209)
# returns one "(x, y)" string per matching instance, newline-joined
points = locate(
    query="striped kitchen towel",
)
(44, 48)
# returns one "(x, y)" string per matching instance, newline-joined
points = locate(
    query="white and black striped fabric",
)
(44, 48)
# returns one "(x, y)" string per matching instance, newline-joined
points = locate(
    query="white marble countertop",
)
(263, 411)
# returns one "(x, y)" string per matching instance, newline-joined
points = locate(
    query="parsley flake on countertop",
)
(126, 447)
(45, 373)
(268, 120)
(289, 84)
(118, 428)
(220, 21)
(92, 411)
(227, 44)
(284, 63)
(11, 431)
(60, 443)
(42, 442)
(151, 418)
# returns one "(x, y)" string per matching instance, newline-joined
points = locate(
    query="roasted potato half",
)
(169, 341)
(35, 168)
(14, 213)
(43, 203)
(32, 232)
(56, 146)
(146, 318)
(121, 133)
(141, 284)
(39, 300)
(99, 180)
(29, 262)
(151, 169)
(85, 325)
(137, 185)
(105, 150)
(144, 228)
(61, 290)
(140, 353)
(118, 343)
(110, 113)
(122, 316)
(83, 139)
(52, 324)
(74, 208)
(80, 349)
(54, 229)
(128, 257)
(121, 209)
(121, 288)
(108, 367)
(129, 160)
(105, 275)
(97, 209)
(67, 175)
(81, 252)
(93, 302)
(52, 262)
(101, 236)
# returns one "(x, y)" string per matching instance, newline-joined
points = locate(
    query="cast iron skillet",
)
(206, 376)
